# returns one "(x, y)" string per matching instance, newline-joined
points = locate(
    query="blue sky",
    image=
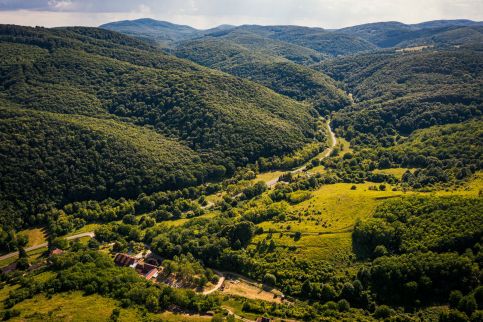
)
(209, 13)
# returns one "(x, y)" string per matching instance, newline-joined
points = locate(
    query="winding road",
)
(327, 152)
(31, 248)
(218, 285)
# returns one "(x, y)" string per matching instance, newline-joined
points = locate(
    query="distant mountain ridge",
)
(332, 42)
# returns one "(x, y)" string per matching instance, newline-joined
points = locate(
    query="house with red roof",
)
(56, 251)
(147, 270)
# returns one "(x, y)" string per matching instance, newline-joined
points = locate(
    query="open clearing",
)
(397, 172)
(326, 220)
(36, 236)
(75, 306)
(237, 285)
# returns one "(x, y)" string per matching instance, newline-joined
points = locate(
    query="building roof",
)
(147, 270)
(56, 251)
(151, 274)
(124, 260)
(144, 268)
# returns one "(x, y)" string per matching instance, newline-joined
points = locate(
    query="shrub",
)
(379, 251)
(453, 316)
(343, 306)
(467, 304)
(270, 279)
(383, 312)
(454, 298)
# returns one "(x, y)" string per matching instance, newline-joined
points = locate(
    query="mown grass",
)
(85, 229)
(71, 307)
(36, 236)
(181, 221)
(75, 306)
(268, 176)
(33, 255)
(397, 172)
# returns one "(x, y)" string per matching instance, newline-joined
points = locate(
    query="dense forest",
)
(273, 71)
(415, 243)
(201, 124)
(210, 155)
(419, 110)
(397, 93)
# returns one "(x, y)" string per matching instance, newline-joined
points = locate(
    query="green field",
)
(33, 255)
(36, 236)
(326, 220)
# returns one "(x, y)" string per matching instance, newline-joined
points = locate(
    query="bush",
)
(380, 251)
(383, 312)
(477, 316)
(23, 263)
(453, 316)
(93, 243)
(270, 279)
(455, 298)
(343, 306)
(478, 294)
(468, 304)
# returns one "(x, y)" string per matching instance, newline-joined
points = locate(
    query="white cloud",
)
(60, 5)
(208, 13)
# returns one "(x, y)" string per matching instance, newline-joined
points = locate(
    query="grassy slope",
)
(78, 307)
(328, 218)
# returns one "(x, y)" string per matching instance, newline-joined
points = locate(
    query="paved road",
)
(28, 249)
(328, 151)
(218, 285)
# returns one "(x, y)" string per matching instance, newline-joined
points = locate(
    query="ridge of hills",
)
(214, 121)
(332, 42)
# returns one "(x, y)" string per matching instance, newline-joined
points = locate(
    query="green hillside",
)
(397, 93)
(201, 123)
(275, 72)
(212, 165)
(212, 112)
(266, 46)
(160, 32)
(326, 42)
(49, 159)
(439, 33)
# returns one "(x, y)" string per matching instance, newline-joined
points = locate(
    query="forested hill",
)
(334, 42)
(415, 109)
(79, 104)
(159, 31)
(261, 61)
(397, 92)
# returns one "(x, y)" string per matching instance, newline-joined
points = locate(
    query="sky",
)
(209, 13)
